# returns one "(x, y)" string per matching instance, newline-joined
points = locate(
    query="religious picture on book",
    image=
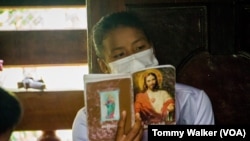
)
(109, 105)
(106, 95)
(154, 91)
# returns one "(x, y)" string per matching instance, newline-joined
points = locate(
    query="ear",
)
(153, 49)
(103, 66)
(152, 45)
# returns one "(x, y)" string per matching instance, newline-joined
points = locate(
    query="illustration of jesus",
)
(154, 104)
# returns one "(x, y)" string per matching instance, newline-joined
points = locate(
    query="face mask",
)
(134, 62)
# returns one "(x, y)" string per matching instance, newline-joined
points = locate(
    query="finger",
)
(123, 138)
(135, 129)
(140, 134)
(121, 126)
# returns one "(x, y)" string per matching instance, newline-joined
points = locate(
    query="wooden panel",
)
(176, 31)
(222, 28)
(96, 10)
(49, 110)
(43, 47)
(176, 1)
(244, 28)
(226, 80)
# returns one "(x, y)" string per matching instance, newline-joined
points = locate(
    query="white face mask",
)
(134, 62)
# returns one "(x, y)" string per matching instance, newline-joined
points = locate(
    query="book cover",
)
(150, 92)
(106, 96)
(154, 94)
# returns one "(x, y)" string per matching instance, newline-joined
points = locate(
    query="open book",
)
(150, 92)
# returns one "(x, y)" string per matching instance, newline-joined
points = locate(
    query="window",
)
(47, 18)
(59, 76)
(56, 78)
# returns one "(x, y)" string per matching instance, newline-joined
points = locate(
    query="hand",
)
(170, 107)
(135, 133)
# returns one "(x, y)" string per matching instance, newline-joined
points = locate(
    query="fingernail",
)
(123, 112)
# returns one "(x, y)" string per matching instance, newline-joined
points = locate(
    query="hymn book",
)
(150, 92)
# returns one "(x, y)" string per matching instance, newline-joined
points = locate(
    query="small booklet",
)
(150, 92)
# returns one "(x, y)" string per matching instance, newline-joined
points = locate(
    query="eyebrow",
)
(138, 40)
(134, 42)
(117, 48)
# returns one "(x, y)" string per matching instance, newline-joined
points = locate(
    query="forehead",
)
(150, 76)
(122, 37)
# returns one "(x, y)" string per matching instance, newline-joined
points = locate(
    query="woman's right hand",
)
(135, 133)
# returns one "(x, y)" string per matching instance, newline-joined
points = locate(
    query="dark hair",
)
(10, 110)
(112, 21)
(156, 86)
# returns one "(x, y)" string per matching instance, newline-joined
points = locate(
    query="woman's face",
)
(124, 41)
(126, 50)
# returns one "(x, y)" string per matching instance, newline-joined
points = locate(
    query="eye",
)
(118, 54)
(139, 48)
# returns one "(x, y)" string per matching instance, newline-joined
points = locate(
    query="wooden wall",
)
(206, 40)
(220, 43)
(49, 110)
(43, 47)
(45, 110)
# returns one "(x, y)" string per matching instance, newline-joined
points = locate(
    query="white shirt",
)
(193, 107)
